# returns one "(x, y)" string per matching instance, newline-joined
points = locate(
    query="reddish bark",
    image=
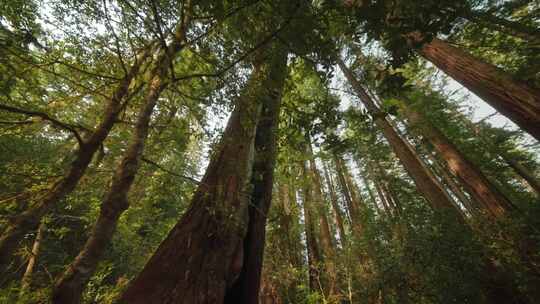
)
(313, 248)
(246, 288)
(512, 98)
(473, 179)
(424, 180)
(335, 206)
(203, 255)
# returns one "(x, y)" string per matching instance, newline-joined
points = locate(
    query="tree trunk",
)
(313, 249)
(203, 255)
(27, 276)
(512, 98)
(426, 183)
(338, 163)
(335, 205)
(524, 173)
(246, 289)
(71, 284)
(476, 183)
(327, 242)
(29, 219)
(453, 185)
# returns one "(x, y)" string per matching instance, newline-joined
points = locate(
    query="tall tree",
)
(512, 98)
(29, 219)
(71, 283)
(218, 219)
(424, 179)
(477, 184)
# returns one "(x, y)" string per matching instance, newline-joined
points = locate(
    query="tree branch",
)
(46, 117)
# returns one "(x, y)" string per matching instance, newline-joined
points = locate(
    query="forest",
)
(270, 151)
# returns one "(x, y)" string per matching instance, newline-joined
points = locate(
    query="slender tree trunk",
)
(512, 98)
(343, 186)
(335, 205)
(382, 197)
(29, 219)
(313, 248)
(203, 255)
(353, 189)
(246, 289)
(524, 173)
(327, 242)
(36, 247)
(496, 23)
(423, 178)
(474, 180)
(350, 194)
(71, 284)
(453, 185)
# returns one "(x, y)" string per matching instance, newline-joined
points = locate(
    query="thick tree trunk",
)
(70, 285)
(29, 219)
(34, 253)
(246, 289)
(512, 98)
(203, 255)
(426, 183)
(476, 183)
(335, 206)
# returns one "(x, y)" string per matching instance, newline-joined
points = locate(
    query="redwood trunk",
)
(512, 98)
(335, 205)
(30, 219)
(327, 243)
(453, 185)
(426, 183)
(246, 288)
(313, 249)
(203, 255)
(473, 179)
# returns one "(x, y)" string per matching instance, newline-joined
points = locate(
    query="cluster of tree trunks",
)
(70, 285)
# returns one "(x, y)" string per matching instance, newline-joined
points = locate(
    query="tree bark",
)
(335, 205)
(313, 248)
(512, 98)
(203, 255)
(426, 183)
(28, 220)
(338, 163)
(36, 247)
(327, 242)
(524, 173)
(246, 288)
(483, 191)
(453, 185)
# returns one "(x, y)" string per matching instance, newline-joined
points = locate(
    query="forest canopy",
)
(269, 151)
